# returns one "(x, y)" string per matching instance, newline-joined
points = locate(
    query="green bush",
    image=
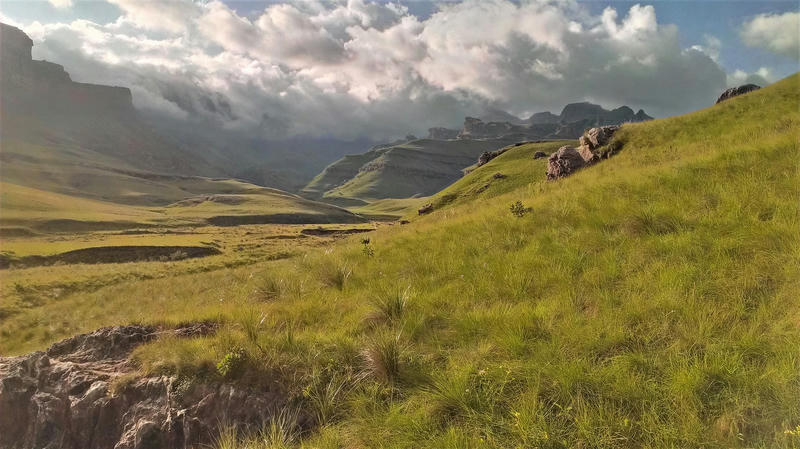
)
(232, 363)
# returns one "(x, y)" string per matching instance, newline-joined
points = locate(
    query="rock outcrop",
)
(442, 133)
(735, 91)
(71, 397)
(427, 208)
(564, 162)
(594, 140)
(594, 146)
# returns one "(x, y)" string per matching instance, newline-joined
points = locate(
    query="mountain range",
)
(422, 167)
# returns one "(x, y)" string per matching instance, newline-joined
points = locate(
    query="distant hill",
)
(417, 168)
(425, 166)
(570, 124)
(78, 127)
(82, 153)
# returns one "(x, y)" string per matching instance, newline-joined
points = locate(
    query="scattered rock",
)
(404, 222)
(499, 176)
(735, 91)
(539, 155)
(593, 140)
(63, 398)
(564, 162)
(487, 156)
(482, 188)
(425, 209)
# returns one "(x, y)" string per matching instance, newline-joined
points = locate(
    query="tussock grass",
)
(650, 301)
(383, 358)
(389, 305)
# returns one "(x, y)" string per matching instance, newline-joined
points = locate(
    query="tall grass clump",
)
(270, 288)
(383, 358)
(389, 305)
(282, 431)
(336, 275)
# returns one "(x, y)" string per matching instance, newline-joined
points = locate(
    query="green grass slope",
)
(418, 168)
(649, 301)
(517, 166)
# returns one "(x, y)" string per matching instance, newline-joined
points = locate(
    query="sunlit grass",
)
(648, 301)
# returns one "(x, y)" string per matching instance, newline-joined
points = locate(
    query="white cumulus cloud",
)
(61, 4)
(360, 68)
(779, 33)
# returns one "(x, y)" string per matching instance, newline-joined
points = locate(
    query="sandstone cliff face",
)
(574, 119)
(77, 125)
(62, 398)
(594, 146)
(38, 86)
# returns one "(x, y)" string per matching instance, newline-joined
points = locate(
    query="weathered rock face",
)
(593, 147)
(442, 133)
(62, 398)
(735, 91)
(564, 162)
(594, 140)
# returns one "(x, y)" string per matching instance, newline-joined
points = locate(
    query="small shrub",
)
(518, 209)
(232, 364)
(367, 249)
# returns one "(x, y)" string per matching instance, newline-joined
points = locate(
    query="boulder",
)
(735, 91)
(593, 140)
(499, 176)
(540, 155)
(564, 162)
(71, 396)
(425, 209)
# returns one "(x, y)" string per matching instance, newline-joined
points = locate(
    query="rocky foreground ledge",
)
(62, 398)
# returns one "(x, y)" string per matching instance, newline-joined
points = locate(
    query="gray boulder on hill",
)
(594, 140)
(593, 147)
(735, 91)
(564, 162)
(66, 397)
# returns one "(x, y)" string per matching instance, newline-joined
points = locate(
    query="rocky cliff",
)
(40, 86)
(573, 120)
(84, 393)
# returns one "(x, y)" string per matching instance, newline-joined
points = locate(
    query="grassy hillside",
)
(648, 301)
(518, 170)
(417, 168)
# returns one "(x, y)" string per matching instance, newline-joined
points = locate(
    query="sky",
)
(382, 69)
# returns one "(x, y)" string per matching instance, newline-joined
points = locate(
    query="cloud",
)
(171, 15)
(61, 4)
(762, 77)
(356, 68)
(778, 33)
(712, 47)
